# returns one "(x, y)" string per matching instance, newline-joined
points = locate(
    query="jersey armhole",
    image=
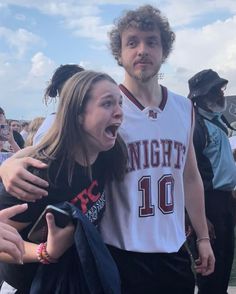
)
(192, 115)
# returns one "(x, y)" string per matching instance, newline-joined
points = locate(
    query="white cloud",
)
(20, 17)
(20, 40)
(89, 27)
(40, 71)
(4, 64)
(22, 86)
(212, 46)
(99, 47)
(188, 11)
(41, 65)
(70, 9)
(197, 46)
(3, 5)
(86, 64)
(83, 18)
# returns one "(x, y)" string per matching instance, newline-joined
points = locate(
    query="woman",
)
(83, 150)
(32, 130)
(52, 92)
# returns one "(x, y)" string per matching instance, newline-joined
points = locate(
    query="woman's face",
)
(102, 117)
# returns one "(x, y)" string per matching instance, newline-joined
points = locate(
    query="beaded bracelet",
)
(39, 254)
(203, 238)
(43, 255)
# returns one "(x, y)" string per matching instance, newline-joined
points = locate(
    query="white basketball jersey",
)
(145, 212)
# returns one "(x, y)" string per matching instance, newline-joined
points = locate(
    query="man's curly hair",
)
(145, 18)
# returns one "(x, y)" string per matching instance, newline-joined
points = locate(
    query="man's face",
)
(216, 100)
(15, 125)
(141, 53)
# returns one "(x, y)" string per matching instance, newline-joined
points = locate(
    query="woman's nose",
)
(118, 111)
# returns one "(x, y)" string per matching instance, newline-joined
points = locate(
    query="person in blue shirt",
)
(218, 172)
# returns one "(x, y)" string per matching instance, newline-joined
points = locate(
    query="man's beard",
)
(218, 106)
(143, 75)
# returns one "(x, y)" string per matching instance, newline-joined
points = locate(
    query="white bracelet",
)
(203, 238)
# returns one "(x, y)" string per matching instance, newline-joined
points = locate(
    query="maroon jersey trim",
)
(134, 100)
(164, 97)
(131, 97)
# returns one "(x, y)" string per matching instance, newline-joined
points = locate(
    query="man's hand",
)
(19, 182)
(10, 240)
(10, 138)
(205, 264)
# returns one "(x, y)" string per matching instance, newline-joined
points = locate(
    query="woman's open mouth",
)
(112, 130)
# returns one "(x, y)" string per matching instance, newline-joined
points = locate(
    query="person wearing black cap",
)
(218, 172)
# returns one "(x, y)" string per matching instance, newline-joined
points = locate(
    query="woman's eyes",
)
(107, 103)
(110, 103)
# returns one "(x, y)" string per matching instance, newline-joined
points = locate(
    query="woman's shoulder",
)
(45, 126)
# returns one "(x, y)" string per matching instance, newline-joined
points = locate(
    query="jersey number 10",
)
(165, 188)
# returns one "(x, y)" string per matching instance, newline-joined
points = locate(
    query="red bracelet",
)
(43, 255)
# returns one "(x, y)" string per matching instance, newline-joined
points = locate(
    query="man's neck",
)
(147, 93)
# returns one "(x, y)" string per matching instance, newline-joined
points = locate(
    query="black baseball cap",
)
(202, 82)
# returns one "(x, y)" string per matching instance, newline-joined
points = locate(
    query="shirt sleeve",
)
(43, 129)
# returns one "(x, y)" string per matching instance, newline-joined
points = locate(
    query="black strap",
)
(224, 119)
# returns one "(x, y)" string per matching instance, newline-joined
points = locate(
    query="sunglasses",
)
(218, 91)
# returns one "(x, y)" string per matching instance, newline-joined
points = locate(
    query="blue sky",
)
(36, 36)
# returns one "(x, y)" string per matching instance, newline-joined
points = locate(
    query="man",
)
(16, 128)
(218, 172)
(15, 125)
(144, 221)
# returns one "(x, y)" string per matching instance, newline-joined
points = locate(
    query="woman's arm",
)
(58, 241)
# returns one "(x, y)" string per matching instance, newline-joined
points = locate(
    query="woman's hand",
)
(59, 240)
(10, 240)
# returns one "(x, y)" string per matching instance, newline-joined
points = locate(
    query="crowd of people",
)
(128, 163)
(15, 135)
